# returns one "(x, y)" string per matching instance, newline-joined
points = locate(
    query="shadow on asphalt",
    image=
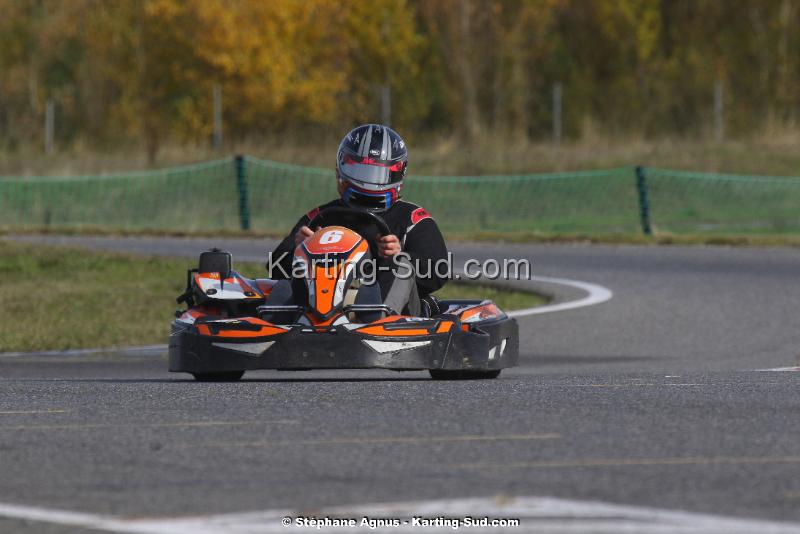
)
(360, 379)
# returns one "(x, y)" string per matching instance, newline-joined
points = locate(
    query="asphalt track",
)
(656, 400)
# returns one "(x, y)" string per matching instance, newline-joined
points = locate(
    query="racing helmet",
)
(371, 165)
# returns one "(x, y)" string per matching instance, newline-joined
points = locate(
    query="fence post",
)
(241, 186)
(644, 201)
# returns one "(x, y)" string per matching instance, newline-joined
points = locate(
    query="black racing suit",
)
(419, 237)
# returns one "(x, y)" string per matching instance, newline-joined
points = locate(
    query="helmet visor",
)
(372, 173)
(368, 174)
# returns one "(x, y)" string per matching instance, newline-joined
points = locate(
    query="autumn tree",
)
(142, 71)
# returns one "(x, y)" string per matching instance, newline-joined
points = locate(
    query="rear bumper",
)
(494, 346)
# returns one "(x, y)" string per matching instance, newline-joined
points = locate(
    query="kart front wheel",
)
(227, 376)
(446, 374)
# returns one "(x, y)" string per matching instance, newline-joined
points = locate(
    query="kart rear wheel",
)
(447, 374)
(226, 376)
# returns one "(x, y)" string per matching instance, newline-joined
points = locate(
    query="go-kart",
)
(230, 326)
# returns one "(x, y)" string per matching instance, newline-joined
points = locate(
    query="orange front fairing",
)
(444, 326)
(481, 313)
(329, 258)
(246, 327)
(325, 279)
(332, 240)
(399, 326)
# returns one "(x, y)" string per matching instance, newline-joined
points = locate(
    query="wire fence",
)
(246, 193)
(195, 197)
(692, 202)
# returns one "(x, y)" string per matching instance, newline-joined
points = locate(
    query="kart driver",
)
(370, 167)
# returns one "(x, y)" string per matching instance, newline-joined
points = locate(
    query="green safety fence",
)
(692, 202)
(246, 193)
(466, 204)
(194, 197)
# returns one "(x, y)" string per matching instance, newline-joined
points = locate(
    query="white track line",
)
(58, 517)
(596, 295)
(536, 514)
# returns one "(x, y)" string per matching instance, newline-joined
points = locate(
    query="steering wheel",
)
(358, 220)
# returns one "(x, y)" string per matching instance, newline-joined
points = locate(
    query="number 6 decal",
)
(330, 237)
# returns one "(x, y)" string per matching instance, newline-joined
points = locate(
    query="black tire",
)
(447, 374)
(225, 376)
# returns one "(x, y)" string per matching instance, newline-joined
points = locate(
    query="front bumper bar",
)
(493, 345)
